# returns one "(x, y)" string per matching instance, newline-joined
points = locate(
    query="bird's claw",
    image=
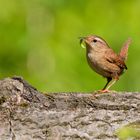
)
(104, 91)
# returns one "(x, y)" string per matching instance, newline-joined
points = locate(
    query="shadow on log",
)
(26, 114)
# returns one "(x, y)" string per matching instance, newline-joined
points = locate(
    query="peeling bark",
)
(27, 114)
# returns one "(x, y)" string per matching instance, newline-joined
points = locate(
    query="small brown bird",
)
(103, 60)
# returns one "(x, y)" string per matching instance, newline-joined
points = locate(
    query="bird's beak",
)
(82, 40)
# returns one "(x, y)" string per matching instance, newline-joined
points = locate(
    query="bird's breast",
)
(96, 62)
(93, 60)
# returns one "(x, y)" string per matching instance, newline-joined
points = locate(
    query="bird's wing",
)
(112, 57)
(124, 50)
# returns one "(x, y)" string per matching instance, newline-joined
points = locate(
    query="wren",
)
(103, 60)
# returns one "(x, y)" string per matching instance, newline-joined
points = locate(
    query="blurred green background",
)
(39, 41)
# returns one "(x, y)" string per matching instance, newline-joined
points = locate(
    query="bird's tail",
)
(124, 50)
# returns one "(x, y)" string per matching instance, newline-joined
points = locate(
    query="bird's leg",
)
(113, 81)
(109, 83)
(108, 80)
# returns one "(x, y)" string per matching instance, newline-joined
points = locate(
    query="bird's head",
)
(94, 43)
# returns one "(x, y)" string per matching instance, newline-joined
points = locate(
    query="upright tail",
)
(124, 50)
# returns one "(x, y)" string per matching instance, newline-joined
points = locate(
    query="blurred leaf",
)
(39, 41)
(131, 131)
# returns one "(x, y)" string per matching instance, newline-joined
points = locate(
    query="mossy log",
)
(27, 114)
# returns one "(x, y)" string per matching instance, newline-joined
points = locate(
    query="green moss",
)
(24, 105)
(130, 131)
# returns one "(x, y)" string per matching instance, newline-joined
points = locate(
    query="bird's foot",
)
(104, 91)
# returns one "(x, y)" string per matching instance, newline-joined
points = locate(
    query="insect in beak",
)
(82, 44)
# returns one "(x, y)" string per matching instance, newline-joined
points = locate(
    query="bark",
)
(27, 114)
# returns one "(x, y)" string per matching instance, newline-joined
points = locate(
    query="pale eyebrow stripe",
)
(99, 39)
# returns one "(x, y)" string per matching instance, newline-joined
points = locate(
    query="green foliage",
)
(129, 132)
(39, 41)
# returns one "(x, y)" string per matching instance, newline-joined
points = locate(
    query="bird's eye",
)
(94, 40)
